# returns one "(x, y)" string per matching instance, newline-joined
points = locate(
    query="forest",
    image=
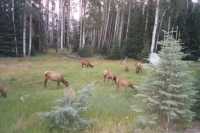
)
(118, 66)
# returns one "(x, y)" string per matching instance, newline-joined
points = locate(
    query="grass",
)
(109, 109)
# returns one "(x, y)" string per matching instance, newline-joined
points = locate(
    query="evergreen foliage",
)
(115, 52)
(189, 24)
(66, 115)
(134, 45)
(196, 107)
(169, 91)
(86, 52)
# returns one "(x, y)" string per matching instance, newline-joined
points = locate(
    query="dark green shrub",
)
(115, 53)
(196, 106)
(86, 52)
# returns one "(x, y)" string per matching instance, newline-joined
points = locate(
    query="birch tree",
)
(30, 32)
(155, 27)
(24, 34)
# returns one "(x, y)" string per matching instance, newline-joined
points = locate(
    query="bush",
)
(196, 106)
(115, 53)
(65, 116)
(86, 52)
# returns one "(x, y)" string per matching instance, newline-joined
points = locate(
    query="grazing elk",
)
(3, 91)
(139, 67)
(55, 76)
(125, 64)
(122, 83)
(108, 75)
(86, 63)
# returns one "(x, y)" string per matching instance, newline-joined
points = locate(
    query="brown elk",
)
(86, 63)
(3, 91)
(108, 75)
(55, 76)
(139, 67)
(122, 83)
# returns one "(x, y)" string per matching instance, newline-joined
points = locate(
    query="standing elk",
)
(55, 76)
(3, 91)
(122, 83)
(108, 75)
(86, 63)
(139, 67)
(125, 64)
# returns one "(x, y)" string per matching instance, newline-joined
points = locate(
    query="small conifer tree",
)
(66, 115)
(169, 91)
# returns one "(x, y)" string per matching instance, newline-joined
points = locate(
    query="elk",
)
(86, 63)
(125, 64)
(55, 76)
(3, 91)
(122, 83)
(108, 75)
(139, 67)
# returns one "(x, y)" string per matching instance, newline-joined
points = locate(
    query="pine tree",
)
(196, 107)
(169, 91)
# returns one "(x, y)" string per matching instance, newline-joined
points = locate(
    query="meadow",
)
(109, 110)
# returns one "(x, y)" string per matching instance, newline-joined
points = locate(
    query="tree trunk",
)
(30, 33)
(128, 23)
(24, 35)
(47, 24)
(14, 27)
(155, 26)
(121, 28)
(160, 27)
(62, 24)
(81, 23)
(107, 22)
(116, 24)
(30, 36)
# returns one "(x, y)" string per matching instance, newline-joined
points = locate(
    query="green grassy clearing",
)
(109, 109)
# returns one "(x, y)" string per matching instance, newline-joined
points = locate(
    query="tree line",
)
(123, 27)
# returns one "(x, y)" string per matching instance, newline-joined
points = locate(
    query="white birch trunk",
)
(155, 26)
(121, 28)
(81, 23)
(128, 23)
(107, 22)
(24, 35)
(14, 26)
(30, 36)
(116, 24)
(30, 33)
(62, 24)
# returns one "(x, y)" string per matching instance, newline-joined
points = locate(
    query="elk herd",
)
(108, 75)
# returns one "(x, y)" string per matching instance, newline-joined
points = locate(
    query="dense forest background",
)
(116, 28)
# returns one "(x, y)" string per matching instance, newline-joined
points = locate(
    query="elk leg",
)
(45, 82)
(104, 78)
(58, 83)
